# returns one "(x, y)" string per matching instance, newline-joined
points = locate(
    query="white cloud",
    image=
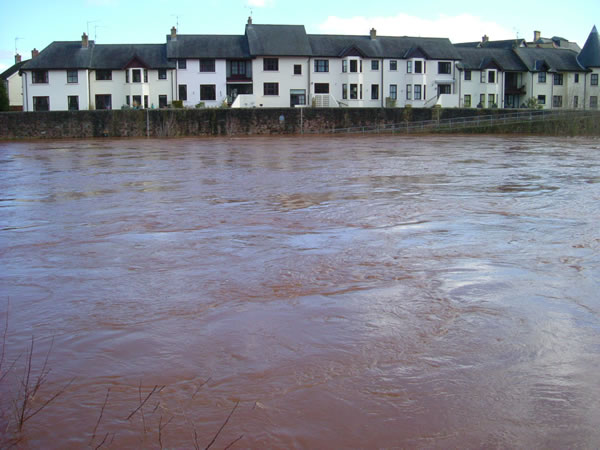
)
(460, 28)
(259, 3)
(3, 67)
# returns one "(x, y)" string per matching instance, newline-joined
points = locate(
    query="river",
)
(343, 292)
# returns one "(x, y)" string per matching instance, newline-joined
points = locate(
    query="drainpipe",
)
(26, 96)
(382, 85)
(584, 88)
(552, 93)
(308, 82)
(89, 89)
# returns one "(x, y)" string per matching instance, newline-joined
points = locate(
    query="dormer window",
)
(491, 76)
(541, 77)
(419, 67)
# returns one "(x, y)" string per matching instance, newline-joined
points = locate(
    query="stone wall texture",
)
(229, 122)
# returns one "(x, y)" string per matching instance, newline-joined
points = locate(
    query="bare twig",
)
(222, 426)
(101, 443)
(99, 419)
(233, 442)
(145, 400)
(199, 387)
(22, 407)
(142, 409)
(162, 427)
(50, 400)
(4, 333)
(196, 445)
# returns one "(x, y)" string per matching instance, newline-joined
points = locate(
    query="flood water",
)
(376, 292)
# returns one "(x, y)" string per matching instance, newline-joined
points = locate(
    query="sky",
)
(25, 25)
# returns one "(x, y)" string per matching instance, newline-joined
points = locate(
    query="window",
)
(321, 88)
(41, 103)
(39, 76)
(374, 92)
(353, 65)
(467, 101)
(393, 91)
(271, 88)
(374, 64)
(344, 91)
(103, 101)
(297, 69)
(360, 91)
(127, 76)
(321, 65)
(73, 102)
(417, 91)
(409, 92)
(418, 67)
(345, 65)
(594, 79)
(558, 79)
(208, 92)
(162, 74)
(137, 101)
(360, 66)
(481, 101)
(183, 92)
(467, 75)
(145, 75)
(207, 65)
(72, 76)
(576, 78)
(238, 68)
(444, 89)
(103, 75)
(146, 101)
(541, 99)
(136, 75)
(593, 101)
(393, 65)
(353, 91)
(162, 101)
(408, 66)
(491, 100)
(491, 76)
(128, 100)
(482, 79)
(181, 64)
(557, 101)
(444, 67)
(271, 64)
(575, 102)
(541, 77)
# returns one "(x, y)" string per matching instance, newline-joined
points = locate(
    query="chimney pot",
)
(537, 35)
(34, 53)
(373, 34)
(173, 33)
(249, 20)
(84, 41)
(485, 38)
(17, 58)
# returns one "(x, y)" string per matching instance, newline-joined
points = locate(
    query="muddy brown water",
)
(377, 292)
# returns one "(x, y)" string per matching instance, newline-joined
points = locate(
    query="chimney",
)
(537, 35)
(373, 34)
(485, 38)
(249, 20)
(17, 58)
(84, 41)
(173, 34)
(34, 53)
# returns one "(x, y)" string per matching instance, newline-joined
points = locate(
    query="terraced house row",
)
(283, 66)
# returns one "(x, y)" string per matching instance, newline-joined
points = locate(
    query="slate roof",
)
(70, 55)
(12, 69)
(208, 46)
(506, 44)
(590, 53)
(278, 40)
(480, 58)
(381, 47)
(555, 59)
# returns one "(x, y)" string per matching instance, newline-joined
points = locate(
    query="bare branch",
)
(199, 387)
(99, 419)
(101, 443)
(50, 400)
(233, 442)
(160, 428)
(4, 333)
(222, 426)
(145, 400)
(142, 409)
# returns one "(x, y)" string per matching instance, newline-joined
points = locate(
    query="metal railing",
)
(463, 122)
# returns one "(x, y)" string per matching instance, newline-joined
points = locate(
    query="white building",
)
(14, 86)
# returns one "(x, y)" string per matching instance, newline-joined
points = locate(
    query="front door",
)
(297, 97)
(444, 89)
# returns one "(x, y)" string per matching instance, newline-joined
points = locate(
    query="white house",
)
(14, 86)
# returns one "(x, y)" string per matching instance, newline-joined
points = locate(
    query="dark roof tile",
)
(590, 53)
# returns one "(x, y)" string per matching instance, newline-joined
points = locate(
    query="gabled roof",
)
(555, 59)
(71, 55)
(590, 53)
(62, 55)
(11, 70)
(382, 47)
(208, 46)
(482, 58)
(277, 40)
(505, 44)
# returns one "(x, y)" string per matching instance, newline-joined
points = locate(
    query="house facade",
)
(14, 86)
(283, 66)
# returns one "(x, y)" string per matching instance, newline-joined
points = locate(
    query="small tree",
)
(532, 103)
(4, 105)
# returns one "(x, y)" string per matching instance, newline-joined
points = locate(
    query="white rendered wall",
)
(15, 90)
(193, 78)
(57, 89)
(284, 76)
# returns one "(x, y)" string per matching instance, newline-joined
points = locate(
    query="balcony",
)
(514, 90)
(239, 78)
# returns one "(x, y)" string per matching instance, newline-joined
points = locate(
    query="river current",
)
(343, 292)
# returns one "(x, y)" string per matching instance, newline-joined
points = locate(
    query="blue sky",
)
(37, 23)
